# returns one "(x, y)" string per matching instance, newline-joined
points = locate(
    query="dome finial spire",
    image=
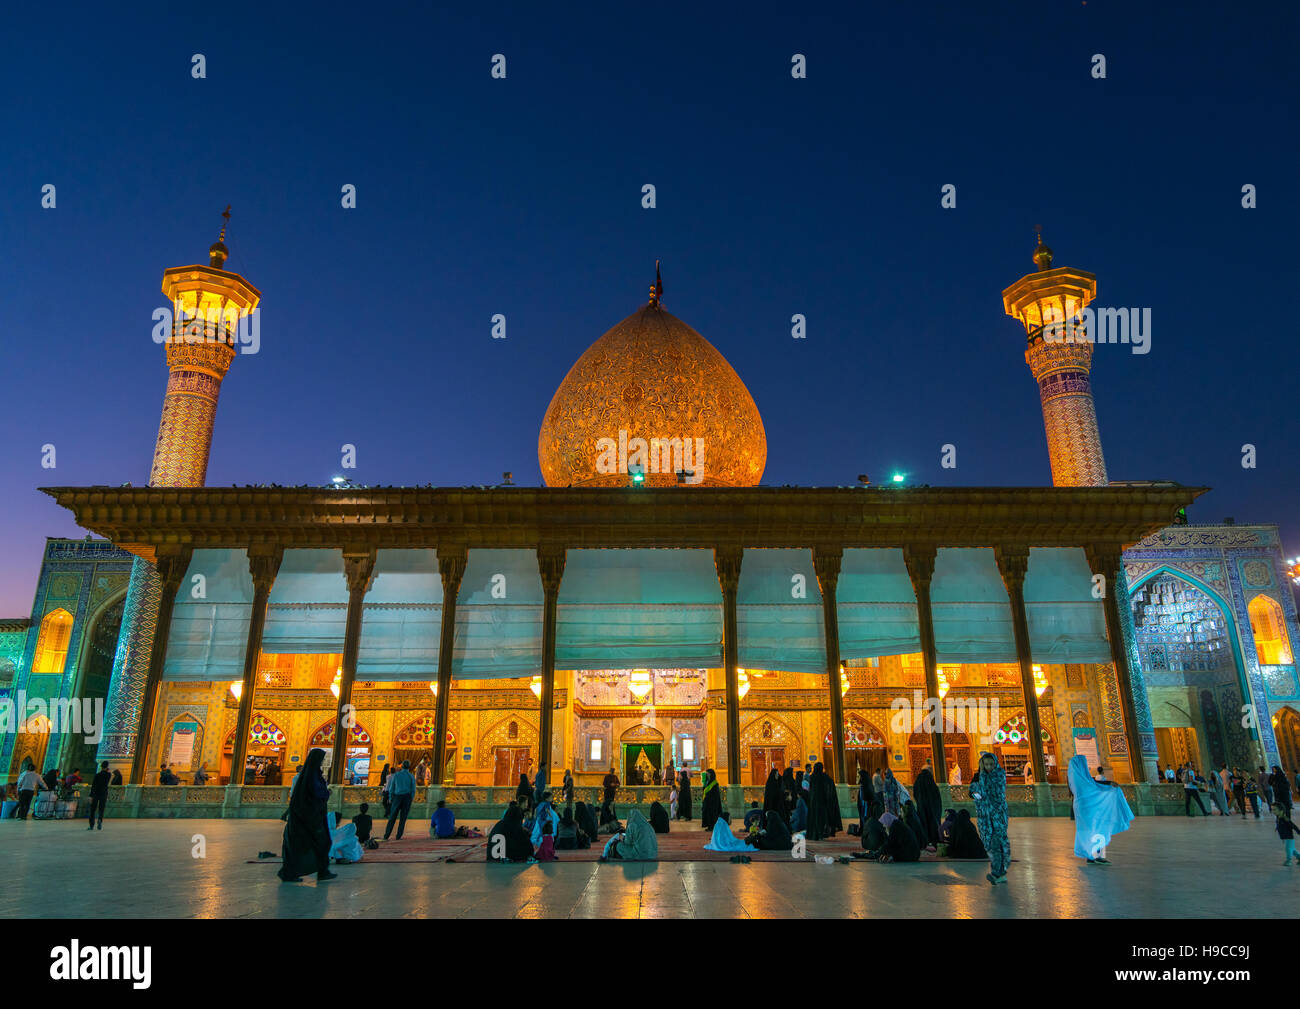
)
(1042, 253)
(217, 252)
(657, 288)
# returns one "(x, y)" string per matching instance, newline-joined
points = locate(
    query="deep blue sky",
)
(775, 196)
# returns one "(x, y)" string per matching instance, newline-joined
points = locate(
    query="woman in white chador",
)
(1100, 812)
(955, 777)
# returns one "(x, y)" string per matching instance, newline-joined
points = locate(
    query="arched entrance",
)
(92, 685)
(1286, 727)
(1011, 744)
(265, 744)
(956, 750)
(509, 745)
(768, 742)
(415, 743)
(642, 751)
(356, 756)
(30, 744)
(865, 747)
(1182, 625)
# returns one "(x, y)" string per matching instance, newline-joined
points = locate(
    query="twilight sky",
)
(522, 196)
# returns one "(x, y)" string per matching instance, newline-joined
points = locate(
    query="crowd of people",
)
(1227, 789)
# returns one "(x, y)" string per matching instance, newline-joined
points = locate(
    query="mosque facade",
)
(652, 605)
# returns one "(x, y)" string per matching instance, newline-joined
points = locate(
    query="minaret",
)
(207, 302)
(1060, 358)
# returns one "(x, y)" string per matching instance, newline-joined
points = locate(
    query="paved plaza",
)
(1162, 868)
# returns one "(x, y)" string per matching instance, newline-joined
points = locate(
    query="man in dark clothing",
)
(364, 822)
(401, 791)
(52, 779)
(99, 796)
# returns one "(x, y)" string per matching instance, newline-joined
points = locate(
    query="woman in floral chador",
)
(989, 790)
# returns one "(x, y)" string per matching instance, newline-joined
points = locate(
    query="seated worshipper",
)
(901, 845)
(546, 850)
(570, 836)
(724, 840)
(608, 820)
(753, 815)
(344, 846)
(586, 821)
(545, 814)
(1100, 812)
(775, 836)
(636, 844)
(799, 821)
(914, 824)
(364, 822)
(507, 840)
(964, 840)
(658, 817)
(945, 825)
(442, 825)
(873, 834)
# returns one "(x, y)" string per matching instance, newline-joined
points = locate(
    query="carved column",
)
(358, 568)
(550, 562)
(920, 569)
(263, 565)
(451, 566)
(171, 567)
(1105, 560)
(1013, 563)
(826, 562)
(727, 561)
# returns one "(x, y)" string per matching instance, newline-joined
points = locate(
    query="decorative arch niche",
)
(1268, 627)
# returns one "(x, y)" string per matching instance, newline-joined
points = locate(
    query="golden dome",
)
(653, 396)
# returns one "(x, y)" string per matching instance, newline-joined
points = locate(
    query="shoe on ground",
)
(321, 876)
(1103, 861)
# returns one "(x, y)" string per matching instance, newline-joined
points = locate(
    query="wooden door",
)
(757, 765)
(501, 771)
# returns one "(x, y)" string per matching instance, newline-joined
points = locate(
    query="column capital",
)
(358, 568)
(826, 563)
(264, 565)
(1013, 563)
(171, 564)
(1104, 559)
(727, 561)
(920, 565)
(452, 558)
(550, 565)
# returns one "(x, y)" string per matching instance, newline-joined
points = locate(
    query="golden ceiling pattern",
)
(652, 376)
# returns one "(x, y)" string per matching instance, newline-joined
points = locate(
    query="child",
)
(546, 850)
(1286, 831)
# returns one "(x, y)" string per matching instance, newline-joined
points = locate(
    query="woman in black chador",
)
(524, 793)
(818, 806)
(684, 795)
(772, 800)
(515, 845)
(788, 792)
(929, 806)
(711, 804)
(834, 824)
(306, 845)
